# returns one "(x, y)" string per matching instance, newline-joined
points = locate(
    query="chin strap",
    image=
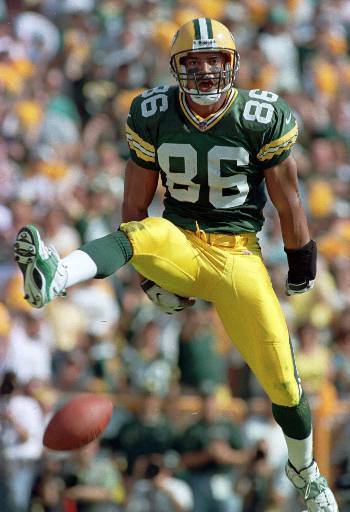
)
(207, 99)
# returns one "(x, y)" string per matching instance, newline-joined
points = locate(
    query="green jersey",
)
(198, 436)
(212, 168)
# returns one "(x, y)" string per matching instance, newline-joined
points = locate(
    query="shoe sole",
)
(28, 248)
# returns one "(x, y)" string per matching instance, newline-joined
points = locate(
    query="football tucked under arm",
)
(167, 302)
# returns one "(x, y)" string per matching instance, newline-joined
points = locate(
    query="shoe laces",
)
(307, 490)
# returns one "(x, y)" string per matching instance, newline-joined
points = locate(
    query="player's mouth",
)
(207, 84)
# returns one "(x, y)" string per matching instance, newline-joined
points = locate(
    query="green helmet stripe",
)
(197, 32)
(209, 28)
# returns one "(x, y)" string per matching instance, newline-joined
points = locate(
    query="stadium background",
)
(68, 72)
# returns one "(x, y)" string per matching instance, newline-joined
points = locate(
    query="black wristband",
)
(302, 263)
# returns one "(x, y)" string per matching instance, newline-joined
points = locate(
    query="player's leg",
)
(46, 275)
(161, 252)
(253, 318)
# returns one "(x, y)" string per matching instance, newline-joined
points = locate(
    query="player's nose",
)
(205, 68)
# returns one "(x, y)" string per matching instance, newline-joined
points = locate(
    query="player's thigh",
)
(162, 253)
(253, 318)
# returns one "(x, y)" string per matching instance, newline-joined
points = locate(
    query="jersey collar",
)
(204, 124)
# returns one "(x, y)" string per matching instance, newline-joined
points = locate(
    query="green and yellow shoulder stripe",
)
(278, 146)
(143, 149)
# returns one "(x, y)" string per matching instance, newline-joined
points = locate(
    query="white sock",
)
(80, 267)
(300, 451)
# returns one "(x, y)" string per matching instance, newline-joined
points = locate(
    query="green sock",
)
(294, 421)
(109, 253)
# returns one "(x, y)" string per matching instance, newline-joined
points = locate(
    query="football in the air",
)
(78, 422)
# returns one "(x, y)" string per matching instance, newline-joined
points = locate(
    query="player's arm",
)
(141, 180)
(139, 188)
(282, 186)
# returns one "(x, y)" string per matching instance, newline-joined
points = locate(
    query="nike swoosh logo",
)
(288, 119)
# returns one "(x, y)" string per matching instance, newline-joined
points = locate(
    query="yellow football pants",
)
(228, 271)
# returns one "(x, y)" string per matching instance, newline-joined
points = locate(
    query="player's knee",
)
(286, 393)
(132, 227)
(150, 232)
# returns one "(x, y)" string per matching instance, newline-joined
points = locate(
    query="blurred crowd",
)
(192, 430)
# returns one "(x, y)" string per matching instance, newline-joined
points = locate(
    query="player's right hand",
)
(302, 268)
(297, 288)
(167, 302)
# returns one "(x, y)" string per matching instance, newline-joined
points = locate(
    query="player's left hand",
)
(168, 302)
(302, 268)
(297, 288)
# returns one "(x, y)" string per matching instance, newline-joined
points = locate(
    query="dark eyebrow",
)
(210, 57)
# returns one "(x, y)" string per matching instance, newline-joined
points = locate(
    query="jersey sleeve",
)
(277, 141)
(139, 138)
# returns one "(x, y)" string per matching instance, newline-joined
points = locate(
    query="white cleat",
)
(313, 487)
(44, 274)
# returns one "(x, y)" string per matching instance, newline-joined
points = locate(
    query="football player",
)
(214, 147)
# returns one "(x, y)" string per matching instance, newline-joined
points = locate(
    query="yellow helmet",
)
(204, 35)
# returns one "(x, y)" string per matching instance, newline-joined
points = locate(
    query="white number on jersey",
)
(181, 185)
(155, 99)
(260, 111)
(218, 183)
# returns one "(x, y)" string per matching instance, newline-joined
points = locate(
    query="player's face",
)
(205, 69)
